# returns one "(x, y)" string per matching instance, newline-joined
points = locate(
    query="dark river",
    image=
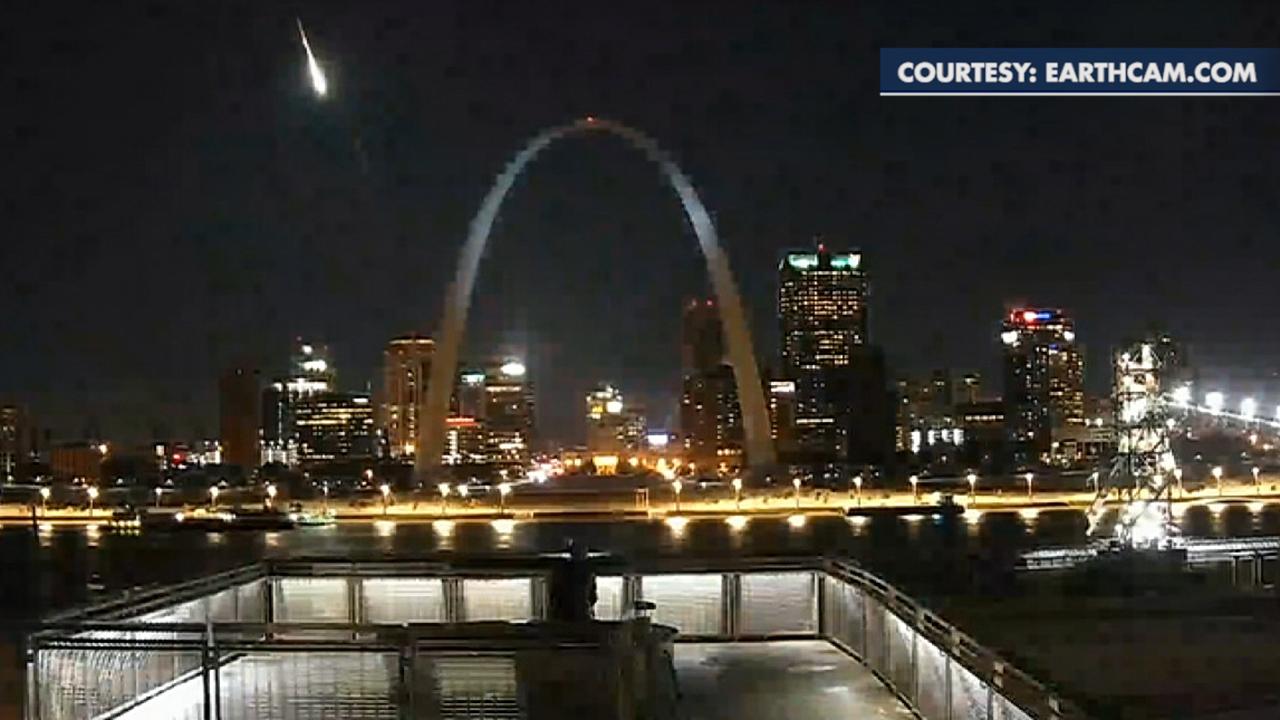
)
(47, 570)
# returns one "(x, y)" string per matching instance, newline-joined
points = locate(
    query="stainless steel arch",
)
(431, 428)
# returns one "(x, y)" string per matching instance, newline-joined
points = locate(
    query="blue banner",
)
(1079, 71)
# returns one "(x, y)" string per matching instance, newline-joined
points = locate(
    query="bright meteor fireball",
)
(318, 81)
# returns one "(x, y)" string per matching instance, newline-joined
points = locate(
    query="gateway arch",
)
(755, 417)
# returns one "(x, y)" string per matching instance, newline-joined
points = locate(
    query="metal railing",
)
(262, 637)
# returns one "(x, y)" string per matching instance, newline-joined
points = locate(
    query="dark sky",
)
(174, 198)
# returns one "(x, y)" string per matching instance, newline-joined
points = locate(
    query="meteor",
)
(318, 81)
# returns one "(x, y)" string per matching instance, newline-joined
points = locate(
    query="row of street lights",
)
(463, 491)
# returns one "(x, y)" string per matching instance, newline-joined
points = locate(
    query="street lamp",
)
(1177, 475)
(677, 486)
(795, 482)
(271, 494)
(463, 490)
(1029, 477)
(1094, 479)
(93, 495)
(1215, 401)
(1217, 475)
(857, 483)
(915, 488)
(444, 498)
(1257, 489)
(1248, 408)
(1182, 395)
(324, 488)
(503, 490)
(737, 493)
(973, 486)
(159, 491)
(385, 489)
(213, 496)
(44, 500)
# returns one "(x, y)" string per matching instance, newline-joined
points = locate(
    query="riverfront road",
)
(532, 502)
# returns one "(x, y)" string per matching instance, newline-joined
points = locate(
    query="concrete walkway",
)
(783, 680)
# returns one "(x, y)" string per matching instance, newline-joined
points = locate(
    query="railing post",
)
(866, 597)
(33, 684)
(204, 682)
(269, 600)
(820, 607)
(632, 593)
(917, 623)
(731, 604)
(354, 610)
(997, 687)
(454, 602)
(408, 676)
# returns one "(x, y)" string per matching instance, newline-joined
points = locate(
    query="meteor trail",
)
(318, 81)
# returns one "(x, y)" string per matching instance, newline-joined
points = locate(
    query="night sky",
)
(175, 199)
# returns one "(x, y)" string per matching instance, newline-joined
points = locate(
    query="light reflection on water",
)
(50, 568)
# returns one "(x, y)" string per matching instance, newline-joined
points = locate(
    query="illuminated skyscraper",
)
(822, 309)
(508, 412)
(333, 426)
(1043, 380)
(613, 425)
(701, 337)
(405, 370)
(15, 442)
(822, 317)
(710, 415)
(238, 394)
(311, 373)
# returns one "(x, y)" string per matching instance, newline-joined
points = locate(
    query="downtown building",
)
(18, 446)
(306, 420)
(1043, 384)
(239, 408)
(406, 367)
(928, 429)
(710, 415)
(614, 426)
(842, 411)
(491, 416)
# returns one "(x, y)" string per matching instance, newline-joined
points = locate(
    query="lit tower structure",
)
(406, 367)
(1043, 381)
(822, 317)
(1142, 469)
(508, 413)
(710, 410)
(311, 373)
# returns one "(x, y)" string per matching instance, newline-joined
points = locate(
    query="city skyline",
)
(357, 204)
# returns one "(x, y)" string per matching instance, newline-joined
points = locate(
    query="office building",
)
(77, 461)
(710, 416)
(508, 412)
(613, 425)
(238, 417)
(1043, 381)
(16, 442)
(465, 441)
(406, 366)
(311, 374)
(711, 419)
(701, 337)
(782, 416)
(333, 426)
(822, 309)
(822, 317)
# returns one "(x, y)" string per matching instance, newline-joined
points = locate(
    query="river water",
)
(928, 556)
